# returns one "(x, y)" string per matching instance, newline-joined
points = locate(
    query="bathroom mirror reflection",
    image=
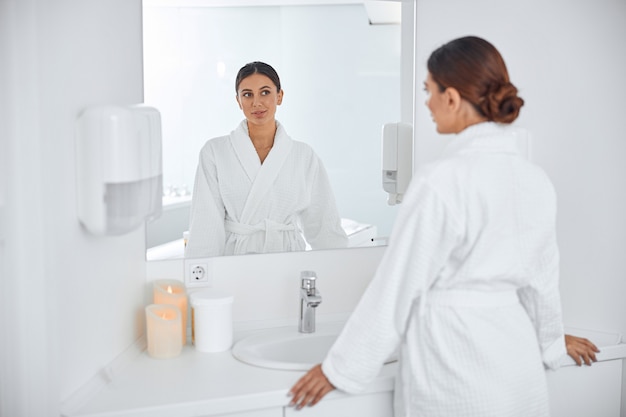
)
(339, 65)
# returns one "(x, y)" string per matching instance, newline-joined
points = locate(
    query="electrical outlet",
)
(197, 273)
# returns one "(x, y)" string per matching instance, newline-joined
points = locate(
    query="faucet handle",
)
(308, 279)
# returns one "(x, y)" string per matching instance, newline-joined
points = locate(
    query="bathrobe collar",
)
(247, 155)
(263, 175)
(484, 137)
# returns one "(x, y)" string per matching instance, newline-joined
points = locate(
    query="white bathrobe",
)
(467, 290)
(242, 206)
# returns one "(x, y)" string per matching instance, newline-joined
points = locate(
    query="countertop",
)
(200, 384)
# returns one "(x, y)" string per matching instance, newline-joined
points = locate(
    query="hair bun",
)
(501, 103)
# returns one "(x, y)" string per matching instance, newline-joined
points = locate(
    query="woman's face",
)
(438, 103)
(258, 98)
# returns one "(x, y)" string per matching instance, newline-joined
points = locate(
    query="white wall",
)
(266, 286)
(69, 302)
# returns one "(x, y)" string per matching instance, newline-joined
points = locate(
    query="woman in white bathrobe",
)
(257, 190)
(468, 288)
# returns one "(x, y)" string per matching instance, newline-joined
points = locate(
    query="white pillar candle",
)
(163, 327)
(170, 291)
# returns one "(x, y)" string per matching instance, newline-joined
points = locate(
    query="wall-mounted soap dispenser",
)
(118, 168)
(397, 160)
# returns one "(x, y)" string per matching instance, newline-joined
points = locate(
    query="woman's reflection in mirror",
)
(257, 190)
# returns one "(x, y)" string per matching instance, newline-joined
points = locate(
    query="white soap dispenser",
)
(397, 160)
(118, 168)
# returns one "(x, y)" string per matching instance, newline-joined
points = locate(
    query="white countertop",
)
(199, 384)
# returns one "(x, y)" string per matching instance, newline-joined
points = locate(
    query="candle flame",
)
(169, 289)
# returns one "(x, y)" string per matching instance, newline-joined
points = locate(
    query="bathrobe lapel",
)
(262, 176)
(244, 150)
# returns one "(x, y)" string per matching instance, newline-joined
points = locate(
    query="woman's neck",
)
(262, 137)
(468, 116)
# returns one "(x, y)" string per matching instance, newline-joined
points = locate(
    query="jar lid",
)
(210, 296)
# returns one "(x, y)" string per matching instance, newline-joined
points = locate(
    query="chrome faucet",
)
(310, 298)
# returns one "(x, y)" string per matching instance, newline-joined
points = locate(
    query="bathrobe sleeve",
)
(320, 221)
(424, 235)
(541, 297)
(542, 302)
(207, 234)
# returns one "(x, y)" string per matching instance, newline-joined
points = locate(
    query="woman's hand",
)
(310, 389)
(580, 349)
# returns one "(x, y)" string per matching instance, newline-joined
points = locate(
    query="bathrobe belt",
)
(268, 226)
(249, 229)
(466, 298)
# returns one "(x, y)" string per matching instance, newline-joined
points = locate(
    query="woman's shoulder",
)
(216, 143)
(305, 155)
(213, 148)
(302, 147)
(444, 167)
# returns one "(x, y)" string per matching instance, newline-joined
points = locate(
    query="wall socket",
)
(197, 273)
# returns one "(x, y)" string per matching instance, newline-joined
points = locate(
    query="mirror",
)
(341, 78)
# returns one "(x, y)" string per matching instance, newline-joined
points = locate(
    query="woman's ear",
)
(238, 102)
(453, 98)
(279, 100)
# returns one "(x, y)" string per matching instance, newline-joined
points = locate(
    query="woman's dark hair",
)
(260, 68)
(475, 68)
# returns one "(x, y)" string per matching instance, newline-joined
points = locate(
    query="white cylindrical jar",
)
(211, 320)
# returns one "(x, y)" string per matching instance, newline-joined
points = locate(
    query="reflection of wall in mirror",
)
(341, 78)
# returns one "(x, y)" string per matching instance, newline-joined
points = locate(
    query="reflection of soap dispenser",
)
(118, 168)
(397, 160)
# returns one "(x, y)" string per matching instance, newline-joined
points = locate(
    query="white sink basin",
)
(286, 348)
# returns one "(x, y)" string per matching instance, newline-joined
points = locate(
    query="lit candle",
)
(163, 327)
(170, 291)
